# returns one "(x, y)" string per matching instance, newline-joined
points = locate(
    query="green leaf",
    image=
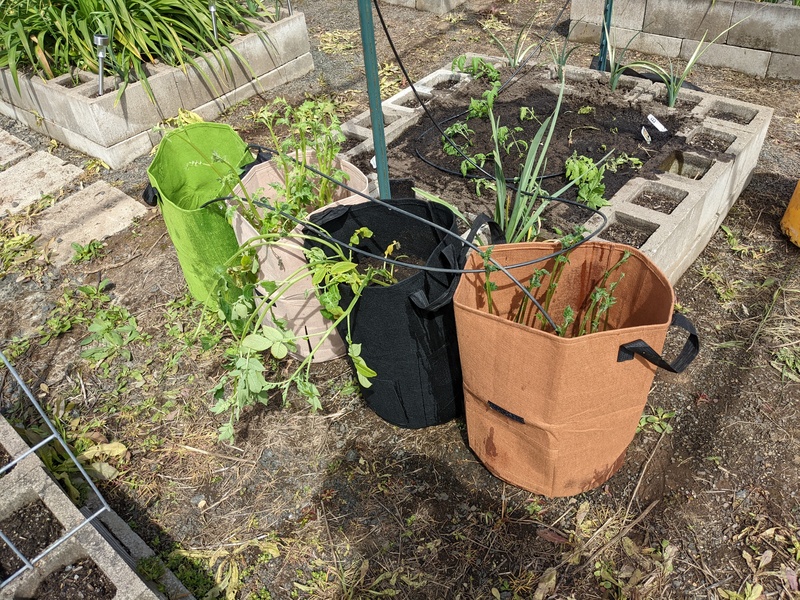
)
(258, 343)
(279, 350)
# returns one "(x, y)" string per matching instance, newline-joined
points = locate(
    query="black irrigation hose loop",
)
(510, 81)
(503, 269)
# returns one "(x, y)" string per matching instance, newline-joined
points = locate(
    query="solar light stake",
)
(212, 6)
(101, 41)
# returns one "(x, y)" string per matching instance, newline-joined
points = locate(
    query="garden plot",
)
(669, 208)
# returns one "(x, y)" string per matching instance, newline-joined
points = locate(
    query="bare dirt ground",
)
(339, 504)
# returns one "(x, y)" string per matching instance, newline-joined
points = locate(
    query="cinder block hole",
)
(5, 458)
(81, 579)
(734, 113)
(659, 197)
(711, 139)
(411, 100)
(388, 119)
(686, 165)
(31, 529)
(72, 80)
(629, 230)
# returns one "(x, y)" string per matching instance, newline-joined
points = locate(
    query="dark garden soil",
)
(31, 529)
(593, 122)
(82, 580)
(339, 504)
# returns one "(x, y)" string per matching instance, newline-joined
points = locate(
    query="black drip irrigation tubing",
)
(437, 125)
(322, 234)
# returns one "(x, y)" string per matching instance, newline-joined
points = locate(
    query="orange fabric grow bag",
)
(555, 415)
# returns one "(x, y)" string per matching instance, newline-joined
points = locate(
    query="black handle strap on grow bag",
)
(690, 349)
(262, 155)
(150, 195)
(453, 254)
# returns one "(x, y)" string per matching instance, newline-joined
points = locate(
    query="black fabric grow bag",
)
(407, 330)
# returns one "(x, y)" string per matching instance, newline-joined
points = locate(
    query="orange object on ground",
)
(790, 223)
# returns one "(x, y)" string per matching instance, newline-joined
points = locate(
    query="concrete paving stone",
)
(24, 183)
(12, 148)
(94, 213)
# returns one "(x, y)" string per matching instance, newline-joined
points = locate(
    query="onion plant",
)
(672, 78)
(52, 37)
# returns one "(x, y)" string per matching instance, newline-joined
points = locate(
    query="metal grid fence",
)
(54, 438)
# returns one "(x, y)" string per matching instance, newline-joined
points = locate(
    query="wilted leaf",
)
(551, 536)
(112, 449)
(547, 584)
(791, 579)
(103, 471)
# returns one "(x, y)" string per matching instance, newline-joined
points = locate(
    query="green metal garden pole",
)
(603, 64)
(374, 92)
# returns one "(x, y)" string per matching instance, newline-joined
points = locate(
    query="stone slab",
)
(12, 148)
(94, 213)
(745, 60)
(24, 183)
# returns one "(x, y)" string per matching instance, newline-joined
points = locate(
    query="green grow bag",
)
(187, 171)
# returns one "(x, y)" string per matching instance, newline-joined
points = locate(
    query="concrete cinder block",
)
(688, 18)
(17, 491)
(25, 182)
(16, 448)
(784, 66)
(772, 27)
(627, 14)
(438, 7)
(745, 60)
(95, 213)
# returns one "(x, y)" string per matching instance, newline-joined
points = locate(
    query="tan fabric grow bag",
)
(555, 415)
(298, 306)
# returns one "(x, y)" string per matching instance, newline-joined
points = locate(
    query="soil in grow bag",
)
(407, 330)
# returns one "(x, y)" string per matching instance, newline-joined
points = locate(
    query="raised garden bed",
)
(670, 210)
(120, 130)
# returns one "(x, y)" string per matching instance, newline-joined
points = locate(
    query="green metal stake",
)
(374, 92)
(603, 64)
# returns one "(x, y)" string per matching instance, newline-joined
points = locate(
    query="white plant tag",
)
(656, 123)
(646, 135)
(373, 162)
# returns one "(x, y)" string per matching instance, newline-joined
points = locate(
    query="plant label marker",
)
(656, 123)
(646, 135)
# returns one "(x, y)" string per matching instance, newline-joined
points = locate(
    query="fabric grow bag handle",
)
(454, 253)
(690, 349)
